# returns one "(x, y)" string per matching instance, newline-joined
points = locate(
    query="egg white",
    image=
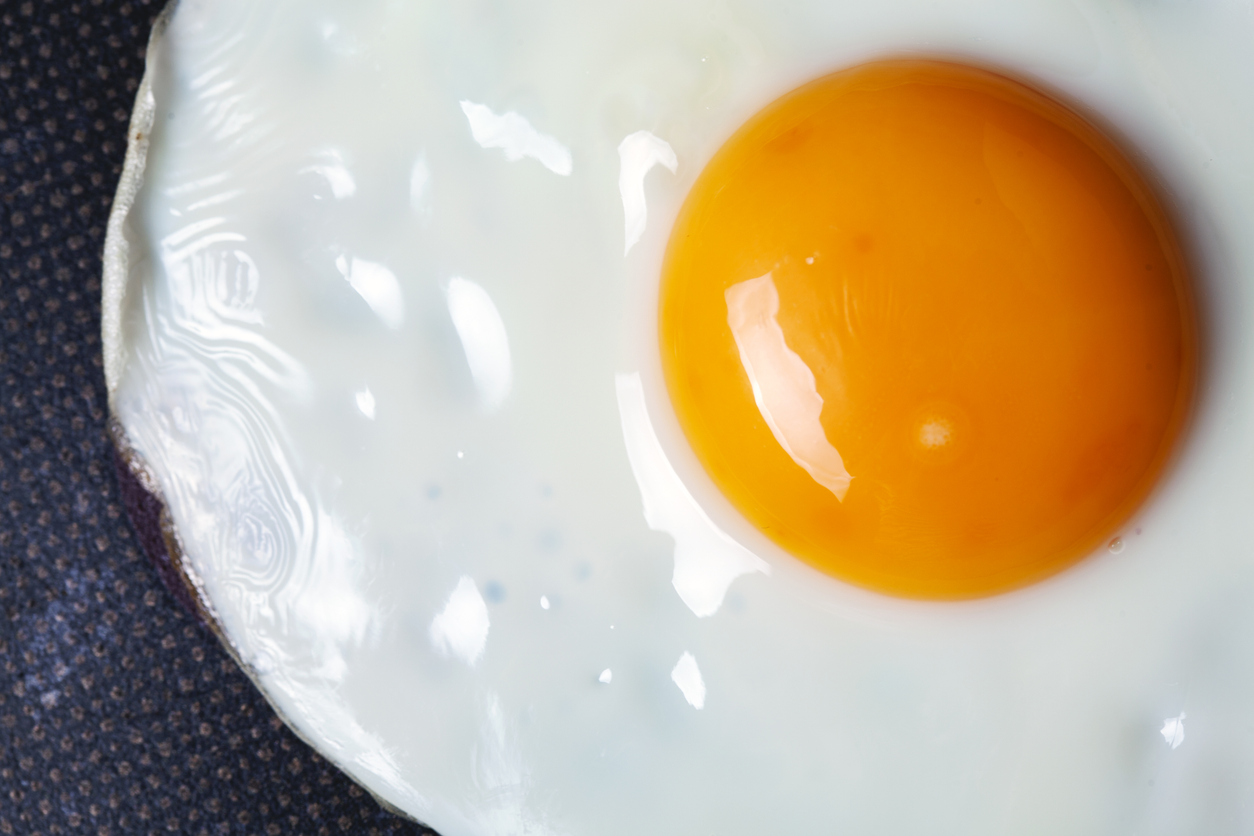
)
(380, 345)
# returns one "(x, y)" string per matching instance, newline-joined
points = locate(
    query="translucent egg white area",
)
(374, 351)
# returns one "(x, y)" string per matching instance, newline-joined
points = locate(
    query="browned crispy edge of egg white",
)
(140, 491)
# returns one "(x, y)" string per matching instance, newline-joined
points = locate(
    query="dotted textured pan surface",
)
(119, 713)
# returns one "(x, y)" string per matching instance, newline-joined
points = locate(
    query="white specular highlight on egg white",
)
(514, 135)
(1173, 730)
(419, 186)
(707, 559)
(196, 237)
(500, 776)
(637, 154)
(377, 285)
(687, 676)
(483, 338)
(365, 402)
(335, 173)
(783, 385)
(225, 284)
(461, 628)
(212, 200)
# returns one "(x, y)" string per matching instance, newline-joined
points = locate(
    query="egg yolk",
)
(928, 329)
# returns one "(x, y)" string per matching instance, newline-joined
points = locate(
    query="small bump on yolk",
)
(928, 329)
(935, 434)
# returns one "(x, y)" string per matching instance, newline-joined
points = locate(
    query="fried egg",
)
(403, 314)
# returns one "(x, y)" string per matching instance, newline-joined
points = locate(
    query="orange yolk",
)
(928, 329)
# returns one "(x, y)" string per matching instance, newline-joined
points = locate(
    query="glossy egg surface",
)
(381, 317)
(926, 328)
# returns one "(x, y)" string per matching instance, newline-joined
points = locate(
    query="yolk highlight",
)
(928, 329)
